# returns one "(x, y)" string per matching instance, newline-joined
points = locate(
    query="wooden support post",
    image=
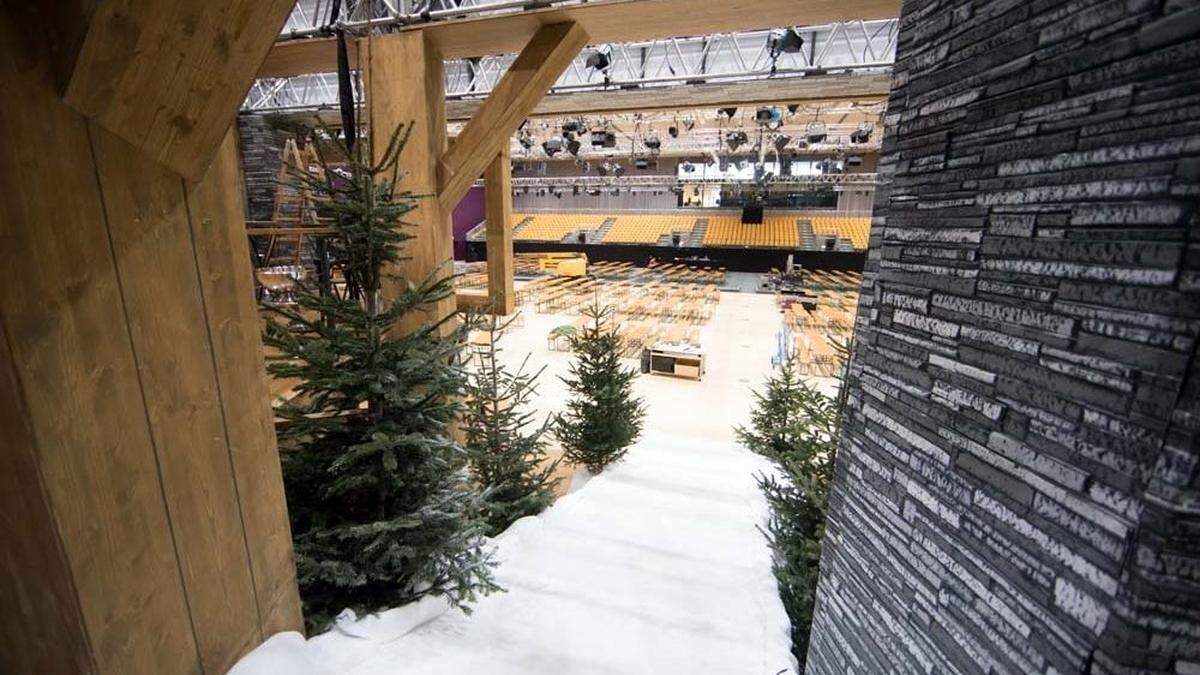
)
(145, 528)
(514, 97)
(405, 85)
(498, 195)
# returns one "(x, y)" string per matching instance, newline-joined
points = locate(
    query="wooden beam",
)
(405, 85)
(233, 324)
(604, 21)
(299, 57)
(129, 551)
(537, 67)
(148, 226)
(472, 299)
(168, 76)
(498, 212)
(78, 393)
(815, 89)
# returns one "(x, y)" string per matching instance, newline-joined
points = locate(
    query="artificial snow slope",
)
(655, 566)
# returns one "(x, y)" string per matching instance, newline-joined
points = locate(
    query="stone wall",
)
(261, 147)
(1017, 484)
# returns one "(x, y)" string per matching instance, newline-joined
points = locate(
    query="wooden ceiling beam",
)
(604, 21)
(168, 76)
(537, 68)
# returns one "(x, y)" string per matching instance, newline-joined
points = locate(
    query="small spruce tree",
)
(798, 427)
(603, 417)
(505, 447)
(382, 512)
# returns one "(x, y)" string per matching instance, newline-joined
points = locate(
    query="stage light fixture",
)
(673, 131)
(793, 107)
(641, 163)
(736, 139)
(652, 143)
(854, 160)
(597, 61)
(573, 147)
(687, 167)
(781, 142)
(861, 134)
(786, 42)
(604, 139)
(552, 146)
(816, 133)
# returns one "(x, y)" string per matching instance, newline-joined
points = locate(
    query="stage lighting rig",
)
(552, 146)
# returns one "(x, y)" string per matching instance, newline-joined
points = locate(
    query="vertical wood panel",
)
(40, 631)
(498, 213)
(405, 85)
(152, 244)
(222, 254)
(62, 308)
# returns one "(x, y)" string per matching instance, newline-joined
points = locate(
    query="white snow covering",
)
(654, 566)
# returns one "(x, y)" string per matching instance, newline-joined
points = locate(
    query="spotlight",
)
(673, 132)
(860, 135)
(793, 107)
(765, 115)
(617, 169)
(816, 133)
(571, 127)
(525, 140)
(735, 140)
(604, 139)
(689, 124)
(552, 146)
(854, 160)
(727, 112)
(652, 143)
(781, 142)
(786, 42)
(641, 163)
(573, 147)
(597, 61)
(574, 189)
(602, 169)
(687, 167)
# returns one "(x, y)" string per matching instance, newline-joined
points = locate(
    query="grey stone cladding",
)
(1017, 486)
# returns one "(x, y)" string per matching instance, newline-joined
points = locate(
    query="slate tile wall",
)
(262, 148)
(1017, 485)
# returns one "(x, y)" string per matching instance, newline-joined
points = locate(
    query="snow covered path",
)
(653, 567)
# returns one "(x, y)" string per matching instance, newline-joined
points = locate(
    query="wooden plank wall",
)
(148, 528)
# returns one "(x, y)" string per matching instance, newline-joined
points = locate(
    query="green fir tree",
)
(381, 508)
(506, 448)
(798, 427)
(603, 417)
